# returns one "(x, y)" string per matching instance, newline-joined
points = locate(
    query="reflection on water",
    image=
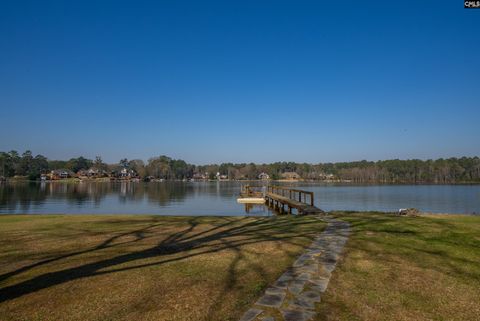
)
(256, 209)
(219, 198)
(174, 198)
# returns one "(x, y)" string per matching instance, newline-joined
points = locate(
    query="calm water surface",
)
(219, 198)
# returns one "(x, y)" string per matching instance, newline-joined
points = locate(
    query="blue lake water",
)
(219, 198)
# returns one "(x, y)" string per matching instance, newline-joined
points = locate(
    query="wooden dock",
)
(284, 200)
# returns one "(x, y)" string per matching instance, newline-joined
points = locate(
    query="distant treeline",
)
(451, 170)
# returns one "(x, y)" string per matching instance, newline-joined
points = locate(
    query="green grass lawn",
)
(406, 268)
(142, 267)
(214, 268)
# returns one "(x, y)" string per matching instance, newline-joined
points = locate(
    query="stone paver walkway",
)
(294, 294)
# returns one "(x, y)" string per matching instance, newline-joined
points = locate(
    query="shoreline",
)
(346, 182)
(334, 212)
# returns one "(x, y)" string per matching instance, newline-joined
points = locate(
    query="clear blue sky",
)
(240, 81)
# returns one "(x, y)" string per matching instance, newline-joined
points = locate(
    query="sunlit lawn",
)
(407, 268)
(142, 267)
(213, 268)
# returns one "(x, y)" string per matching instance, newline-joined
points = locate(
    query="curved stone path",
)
(294, 294)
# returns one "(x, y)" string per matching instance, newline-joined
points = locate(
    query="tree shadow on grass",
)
(191, 241)
(108, 243)
(426, 243)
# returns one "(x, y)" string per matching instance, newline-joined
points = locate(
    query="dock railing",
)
(294, 194)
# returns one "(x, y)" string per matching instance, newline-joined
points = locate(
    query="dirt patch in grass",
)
(142, 267)
(402, 268)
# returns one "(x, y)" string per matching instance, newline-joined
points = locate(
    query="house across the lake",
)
(290, 176)
(60, 174)
(200, 176)
(264, 176)
(221, 177)
(126, 173)
(92, 172)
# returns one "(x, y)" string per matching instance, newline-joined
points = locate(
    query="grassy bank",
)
(213, 268)
(407, 268)
(142, 267)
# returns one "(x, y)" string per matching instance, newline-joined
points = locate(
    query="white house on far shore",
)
(263, 176)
